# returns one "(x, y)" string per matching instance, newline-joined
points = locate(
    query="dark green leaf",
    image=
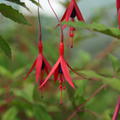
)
(112, 82)
(36, 94)
(40, 113)
(36, 3)
(106, 115)
(19, 3)
(80, 91)
(5, 47)
(115, 63)
(12, 14)
(26, 93)
(114, 32)
(10, 114)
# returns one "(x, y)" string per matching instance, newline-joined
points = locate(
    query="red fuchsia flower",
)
(118, 10)
(41, 65)
(60, 71)
(71, 12)
(117, 109)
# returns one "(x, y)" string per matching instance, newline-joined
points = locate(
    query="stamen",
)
(71, 42)
(71, 35)
(61, 101)
(71, 31)
(61, 88)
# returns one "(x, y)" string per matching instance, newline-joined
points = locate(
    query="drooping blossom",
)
(60, 71)
(71, 12)
(117, 110)
(118, 11)
(41, 65)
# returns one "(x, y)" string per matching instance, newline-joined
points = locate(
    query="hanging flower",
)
(71, 12)
(117, 109)
(41, 65)
(60, 71)
(118, 10)
(118, 4)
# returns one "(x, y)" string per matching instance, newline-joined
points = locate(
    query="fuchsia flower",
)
(71, 12)
(118, 10)
(117, 109)
(60, 69)
(41, 65)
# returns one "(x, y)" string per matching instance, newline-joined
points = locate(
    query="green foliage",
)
(19, 3)
(114, 32)
(23, 4)
(5, 47)
(36, 3)
(10, 114)
(26, 93)
(40, 113)
(112, 82)
(93, 58)
(12, 13)
(115, 63)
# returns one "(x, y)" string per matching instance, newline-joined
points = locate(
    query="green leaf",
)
(90, 74)
(10, 114)
(114, 32)
(19, 3)
(115, 63)
(36, 94)
(5, 47)
(112, 82)
(106, 115)
(36, 3)
(5, 72)
(26, 93)
(40, 113)
(17, 72)
(12, 14)
(80, 91)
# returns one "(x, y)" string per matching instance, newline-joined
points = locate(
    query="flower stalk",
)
(117, 109)
(60, 69)
(41, 65)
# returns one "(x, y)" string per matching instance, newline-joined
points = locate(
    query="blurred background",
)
(92, 52)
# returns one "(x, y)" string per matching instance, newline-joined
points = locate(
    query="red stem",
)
(62, 36)
(39, 27)
(117, 109)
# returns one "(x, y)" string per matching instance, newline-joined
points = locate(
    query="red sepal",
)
(31, 69)
(51, 73)
(66, 72)
(118, 5)
(119, 18)
(67, 15)
(38, 64)
(38, 67)
(78, 12)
